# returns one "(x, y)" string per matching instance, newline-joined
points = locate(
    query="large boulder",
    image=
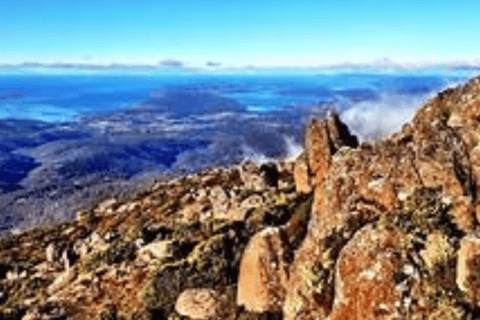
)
(159, 250)
(62, 280)
(365, 277)
(252, 176)
(302, 176)
(355, 186)
(322, 140)
(468, 267)
(263, 272)
(199, 304)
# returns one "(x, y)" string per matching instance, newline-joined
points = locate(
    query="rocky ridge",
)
(378, 230)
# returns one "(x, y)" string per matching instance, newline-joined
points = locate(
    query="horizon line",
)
(172, 65)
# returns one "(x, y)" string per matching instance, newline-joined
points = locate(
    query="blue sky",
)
(238, 33)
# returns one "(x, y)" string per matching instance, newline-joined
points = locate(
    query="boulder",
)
(263, 272)
(213, 263)
(62, 280)
(355, 186)
(160, 250)
(251, 176)
(239, 210)
(302, 176)
(31, 316)
(322, 140)
(437, 250)
(365, 277)
(199, 304)
(220, 200)
(468, 267)
(52, 254)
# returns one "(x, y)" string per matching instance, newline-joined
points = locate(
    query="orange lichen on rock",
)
(365, 277)
(88, 296)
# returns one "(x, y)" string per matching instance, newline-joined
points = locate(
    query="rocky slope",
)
(383, 230)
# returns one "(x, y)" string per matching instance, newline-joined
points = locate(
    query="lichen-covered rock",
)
(220, 200)
(322, 140)
(468, 267)
(442, 160)
(251, 176)
(437, 249)
(238, 210)
(302, 176)
(160, 250)
(365, 277)
(199, 304)
(212, 263)
(263, 272)
(62, 280)
(94, 243)
(52, 254)
(355, 186)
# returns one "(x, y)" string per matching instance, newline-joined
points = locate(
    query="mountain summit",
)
(377, 230)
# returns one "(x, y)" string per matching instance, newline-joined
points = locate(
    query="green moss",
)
(294, 305)
(16, 299)
(387, 144)
(119, 253)
(446, 310)
(190, 183)
(136, 231)
(228, 305)
(246, 315)
(107, 315)
(256, 218)
(297, 225)
(317, 276)
(161, 289)
(209, 255)
(444, 114)
(424, 211)
(213, 227)
(344, 152)
(186, 230)
(175, 316)
(169, 205)
(275, 198)
(245, 193)
(208, 265)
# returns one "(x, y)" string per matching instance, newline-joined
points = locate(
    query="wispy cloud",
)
(213, 64)
(171, 63)
(168, 64)
(78, 66)
(387, 63)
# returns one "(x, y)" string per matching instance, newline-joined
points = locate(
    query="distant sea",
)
(67, 96)
(67, 139)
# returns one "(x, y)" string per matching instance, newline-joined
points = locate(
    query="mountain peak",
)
(377, 230)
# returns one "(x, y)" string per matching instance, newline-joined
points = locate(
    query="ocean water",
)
(187, 121)
(65, 97)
